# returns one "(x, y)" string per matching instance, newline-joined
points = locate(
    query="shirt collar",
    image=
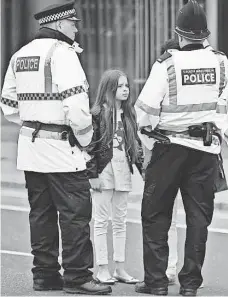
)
(192, 47)
(54, 34)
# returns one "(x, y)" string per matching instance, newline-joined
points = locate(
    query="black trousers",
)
(174, 167)
(63, 197)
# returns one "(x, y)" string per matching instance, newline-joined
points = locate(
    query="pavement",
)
(16, 258)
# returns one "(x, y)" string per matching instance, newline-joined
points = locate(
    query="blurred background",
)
(114, 33)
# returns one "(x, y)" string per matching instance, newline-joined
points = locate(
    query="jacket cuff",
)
(92, 175)
(92, 169)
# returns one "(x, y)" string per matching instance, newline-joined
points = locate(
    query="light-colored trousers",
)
(115, 202)
(104, 202)
(172, 242)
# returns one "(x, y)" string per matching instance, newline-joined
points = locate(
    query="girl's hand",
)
(95, 184)
(144, 170)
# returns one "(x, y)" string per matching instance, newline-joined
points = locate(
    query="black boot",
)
(48, 284)
(188, 292)
(143, 288)
(90, 288)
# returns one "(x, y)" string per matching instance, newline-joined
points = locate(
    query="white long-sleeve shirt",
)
(45, 82)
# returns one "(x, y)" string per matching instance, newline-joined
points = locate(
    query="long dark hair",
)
(105, 107)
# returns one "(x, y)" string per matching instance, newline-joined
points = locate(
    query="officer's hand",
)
(95, 184)
(143, 174)
(145, 164)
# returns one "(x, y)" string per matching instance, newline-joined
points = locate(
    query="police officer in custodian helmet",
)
(185, 99)
(46, 91)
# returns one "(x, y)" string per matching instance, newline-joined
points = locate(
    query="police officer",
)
(45, 89)
(181, 99)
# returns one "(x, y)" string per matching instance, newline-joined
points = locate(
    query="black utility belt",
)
(46, 127)
(205, 131)
(50, 131)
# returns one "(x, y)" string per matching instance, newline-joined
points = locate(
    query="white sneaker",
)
(172, 279)
(201, 286)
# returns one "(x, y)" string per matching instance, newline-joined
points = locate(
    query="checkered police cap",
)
(57, 12)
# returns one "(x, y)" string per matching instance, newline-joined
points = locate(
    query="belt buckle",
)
(64, 135)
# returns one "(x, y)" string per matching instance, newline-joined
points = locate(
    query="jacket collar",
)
(192, 47)
(53, 34)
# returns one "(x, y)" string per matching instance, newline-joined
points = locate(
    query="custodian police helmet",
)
(192, 22)
(57, 12)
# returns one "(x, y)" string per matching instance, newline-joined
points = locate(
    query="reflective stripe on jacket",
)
(45, 82)
(184, 90)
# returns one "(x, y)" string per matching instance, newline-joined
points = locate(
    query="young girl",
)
(114, 149)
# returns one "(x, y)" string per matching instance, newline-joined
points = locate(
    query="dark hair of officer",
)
(170, 44)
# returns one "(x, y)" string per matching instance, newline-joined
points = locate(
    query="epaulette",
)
(218, 52)
(70, 47)
(164, 57)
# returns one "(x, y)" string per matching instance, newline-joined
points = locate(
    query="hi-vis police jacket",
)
(186, 88)
(45, 82)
